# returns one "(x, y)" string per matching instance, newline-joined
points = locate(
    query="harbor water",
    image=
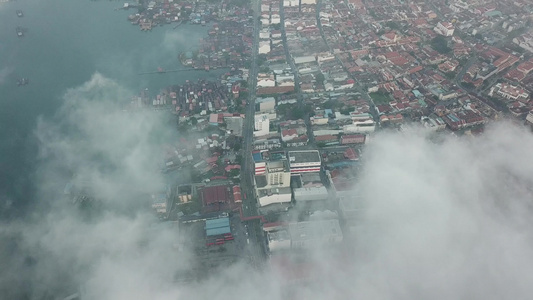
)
(64, 44)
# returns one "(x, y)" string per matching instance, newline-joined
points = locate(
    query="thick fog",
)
(442, 220)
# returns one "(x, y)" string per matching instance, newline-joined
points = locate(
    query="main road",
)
(256, 242)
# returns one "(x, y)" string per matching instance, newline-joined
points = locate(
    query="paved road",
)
(255, 247)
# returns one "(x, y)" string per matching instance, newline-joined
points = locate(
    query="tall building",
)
(444, 28)
(273, 184)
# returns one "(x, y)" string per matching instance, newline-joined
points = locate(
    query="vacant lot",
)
(379, 98)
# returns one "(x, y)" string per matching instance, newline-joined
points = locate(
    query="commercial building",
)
(273, 182)
(316, 193)
(305, 235)
(268, 196)
(216, 198)
(312, 234)
(304, 161)
(265, 104)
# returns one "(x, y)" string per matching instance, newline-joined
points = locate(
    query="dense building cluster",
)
(309, 83)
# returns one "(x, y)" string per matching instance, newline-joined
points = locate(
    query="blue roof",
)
(216, 223)
(257, 156)
(218, 231)
(417, 93)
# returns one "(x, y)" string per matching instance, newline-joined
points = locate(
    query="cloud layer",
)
(443, 220)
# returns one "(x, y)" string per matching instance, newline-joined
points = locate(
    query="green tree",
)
(440, 44)
(393, 25)
(194, 121)
(320, 78)
(468, 85)
(261, 59)
(234, 173)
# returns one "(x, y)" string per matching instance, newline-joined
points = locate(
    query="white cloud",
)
(443, 220)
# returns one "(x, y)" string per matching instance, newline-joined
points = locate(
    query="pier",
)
(162, 71)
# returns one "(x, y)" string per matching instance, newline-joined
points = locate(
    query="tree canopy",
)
(440, 44)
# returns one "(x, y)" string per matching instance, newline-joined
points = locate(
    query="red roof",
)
(211, 160)
(214, 194)
(237, 193)
(351, 154)
(328, 137)
(353, 139)
(231, 167)
(289, 132)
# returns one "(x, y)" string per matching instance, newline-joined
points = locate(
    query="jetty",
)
(161, 71)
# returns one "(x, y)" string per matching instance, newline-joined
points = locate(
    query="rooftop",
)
(302, 231)
(215, 194)
(305, 156)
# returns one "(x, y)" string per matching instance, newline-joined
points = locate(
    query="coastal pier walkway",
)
(163, 71)
(168, 71)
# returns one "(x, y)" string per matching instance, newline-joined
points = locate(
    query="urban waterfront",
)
(62, 51)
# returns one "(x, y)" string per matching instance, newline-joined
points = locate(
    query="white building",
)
(261, 125)
(264, 47)
(444, 28)
(266, 104)
(525, 41)
(274, 196)
(433, 123)
(509, 92)
(363, 126)
(279, 240)
(272, 183)
(529, 119)
(304, 59)
(264, 34)
(313, 234)
(317, 193)
(265, 80)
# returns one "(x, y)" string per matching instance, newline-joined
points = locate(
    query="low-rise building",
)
(304, 161)
(509, 92)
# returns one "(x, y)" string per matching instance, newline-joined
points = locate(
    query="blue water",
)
(66, 43)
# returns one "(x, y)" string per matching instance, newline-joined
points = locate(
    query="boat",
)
(20, 31)
(23, 81)
(20, 14)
